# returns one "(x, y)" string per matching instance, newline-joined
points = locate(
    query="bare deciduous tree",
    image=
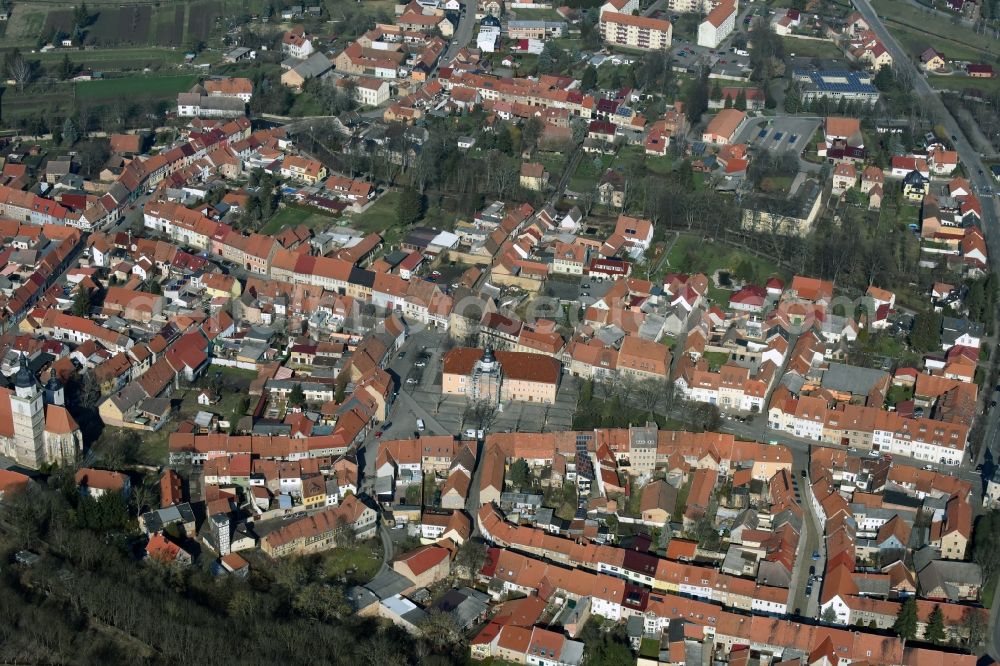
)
(20, 71)
(649, 392)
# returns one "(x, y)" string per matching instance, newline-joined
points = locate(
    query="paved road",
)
(388, 548)
(402, 420)
(810, 541)
(463, 34)
(980, 179)
(979, 176)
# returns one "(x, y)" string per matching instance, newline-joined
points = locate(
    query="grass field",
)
(291, 216)
(961, 83)
(809, 48)
(661, 166)
(148, 87)
(358, 564)
(588, 173)
(691, 253)
(112, 60)
(380, 217)
(537, 15)
(137, 22)
(914, 26)
(55, 99)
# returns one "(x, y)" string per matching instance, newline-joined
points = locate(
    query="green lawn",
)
(909, 214)
(777, 184)
(25, 26)
(128, 58)
(54, 99)
(150, 448)
(661, 166)
(809, 48)
(380, 217)
(293, 215)
(961, 83)
(358, 563)
(898, 394)
(693, 254)
(555, 164)
(306, 105)
(589, 171)
(146, 87)
(914, 26)
(988, 591)
(715, 360)
(649, 648)
(537, 15)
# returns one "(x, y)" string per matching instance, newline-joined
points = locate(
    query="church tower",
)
(55, 394)
(28, 412)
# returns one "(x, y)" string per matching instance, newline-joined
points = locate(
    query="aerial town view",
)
(654, 332)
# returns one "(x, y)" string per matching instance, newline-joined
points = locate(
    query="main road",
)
(979, 177)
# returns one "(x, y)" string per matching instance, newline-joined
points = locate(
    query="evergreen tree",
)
(741, 100)
(66, 68)
(504, 142)
(906, 620)
(589, 79)
(69, 132)
(520, 474)
(685, 175)
(696, 99)
(829, 615)
(926, 333)
(82, 302)
(975, 299)
(410, 207)
(297, 397)
(716, 94)
(81, 17)
(935, 632)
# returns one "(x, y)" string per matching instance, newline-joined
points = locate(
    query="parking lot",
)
(779, 134)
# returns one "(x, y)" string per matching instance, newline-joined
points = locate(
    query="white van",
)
(420, 425)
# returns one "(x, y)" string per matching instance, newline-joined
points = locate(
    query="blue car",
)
(815, 554)
(777, 136)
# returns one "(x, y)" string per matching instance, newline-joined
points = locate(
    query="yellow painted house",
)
(217, 284)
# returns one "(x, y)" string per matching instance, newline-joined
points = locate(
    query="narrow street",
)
(810, 541)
